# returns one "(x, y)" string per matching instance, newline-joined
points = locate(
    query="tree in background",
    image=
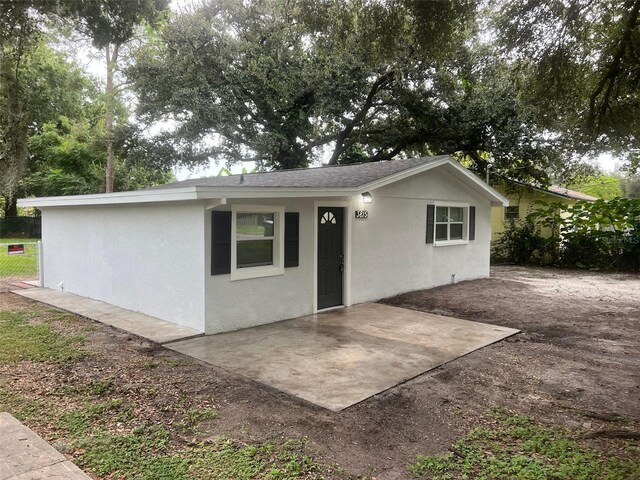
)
(631, 186)
(582, 64)
(37, 86)
(54, 126)
(599, 185)
(68, 158)
(111, 24)
(288, 83)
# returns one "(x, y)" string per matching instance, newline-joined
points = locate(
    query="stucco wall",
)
(389, 254)
(148, 259)
(389, 250)
(231, 305)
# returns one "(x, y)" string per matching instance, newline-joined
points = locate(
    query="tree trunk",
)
(14, 128)
(112, 59)
(10, 206)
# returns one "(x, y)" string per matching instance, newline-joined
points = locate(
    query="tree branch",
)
(360, 116)
(597, 112)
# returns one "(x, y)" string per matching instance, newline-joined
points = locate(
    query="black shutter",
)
(472, 223)
(220, 242)
(291, 239)
(431, 209)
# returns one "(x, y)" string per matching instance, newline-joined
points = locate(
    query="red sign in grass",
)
(16, 249)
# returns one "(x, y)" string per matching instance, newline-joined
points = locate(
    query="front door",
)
(330, 256)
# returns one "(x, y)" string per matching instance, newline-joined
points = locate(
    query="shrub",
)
(521, 243)
(603, 234)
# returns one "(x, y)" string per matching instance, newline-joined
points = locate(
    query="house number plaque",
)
(362, 214)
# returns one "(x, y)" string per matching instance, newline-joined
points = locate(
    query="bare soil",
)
(576, 364)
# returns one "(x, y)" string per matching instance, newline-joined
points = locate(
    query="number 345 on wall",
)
(362, 214)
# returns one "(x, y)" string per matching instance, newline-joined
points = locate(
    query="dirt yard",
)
(576, 364)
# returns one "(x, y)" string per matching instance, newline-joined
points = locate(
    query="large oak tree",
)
(286, 83)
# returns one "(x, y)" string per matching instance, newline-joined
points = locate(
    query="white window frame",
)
(278, 243)
(465, 223)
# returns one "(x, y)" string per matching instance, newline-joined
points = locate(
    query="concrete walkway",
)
(26, 456)
(339, 358)
(139, 324)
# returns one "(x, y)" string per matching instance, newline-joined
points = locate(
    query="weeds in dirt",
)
(148, 453)
(515, 447)
(193, 416)
(21, 340)
(24, 409)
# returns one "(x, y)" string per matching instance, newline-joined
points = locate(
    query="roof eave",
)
(118, 198)
(182, 194)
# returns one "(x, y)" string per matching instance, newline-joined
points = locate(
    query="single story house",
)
(522, 201)
(225, 253)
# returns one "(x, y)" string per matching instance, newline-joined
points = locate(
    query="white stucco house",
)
(224, 253)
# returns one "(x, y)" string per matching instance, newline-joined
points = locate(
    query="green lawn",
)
(25, 265)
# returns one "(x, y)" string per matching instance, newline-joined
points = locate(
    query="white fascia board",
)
(139, 196)
(180, 195)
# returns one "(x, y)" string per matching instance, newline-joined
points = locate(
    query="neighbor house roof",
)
(555, 190)
(331, 181)
(565, 192)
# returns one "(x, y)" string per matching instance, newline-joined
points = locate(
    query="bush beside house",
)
(604, 234)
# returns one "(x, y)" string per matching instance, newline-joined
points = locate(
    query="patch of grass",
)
(80, 421)
(147, 453)
(193, 416)
(21, 341)
(22, 408)
(515, 447)
(24, 265)
(175, 362)
(150, 364)
(143, 453)
(225, 459)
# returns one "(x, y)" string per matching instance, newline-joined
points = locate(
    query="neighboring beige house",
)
(522, 198)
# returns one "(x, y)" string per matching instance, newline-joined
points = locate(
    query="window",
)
(254, 237)
(251, 241)
(257, 241)
(449, 223)
(512, 213)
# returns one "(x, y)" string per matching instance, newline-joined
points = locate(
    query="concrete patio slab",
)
(24, 455)
(342, 357)
(139, 324)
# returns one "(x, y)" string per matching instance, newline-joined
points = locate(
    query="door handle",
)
(342, 263)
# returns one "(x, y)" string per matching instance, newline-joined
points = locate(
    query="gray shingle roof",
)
(571, 193)
(339, 176)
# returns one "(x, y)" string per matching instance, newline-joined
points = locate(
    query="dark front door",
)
(330, 256)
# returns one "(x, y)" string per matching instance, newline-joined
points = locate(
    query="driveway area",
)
(339, 358)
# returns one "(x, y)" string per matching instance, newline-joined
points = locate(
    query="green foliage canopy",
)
(582, 59)
(288, 83)
(601, 186)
